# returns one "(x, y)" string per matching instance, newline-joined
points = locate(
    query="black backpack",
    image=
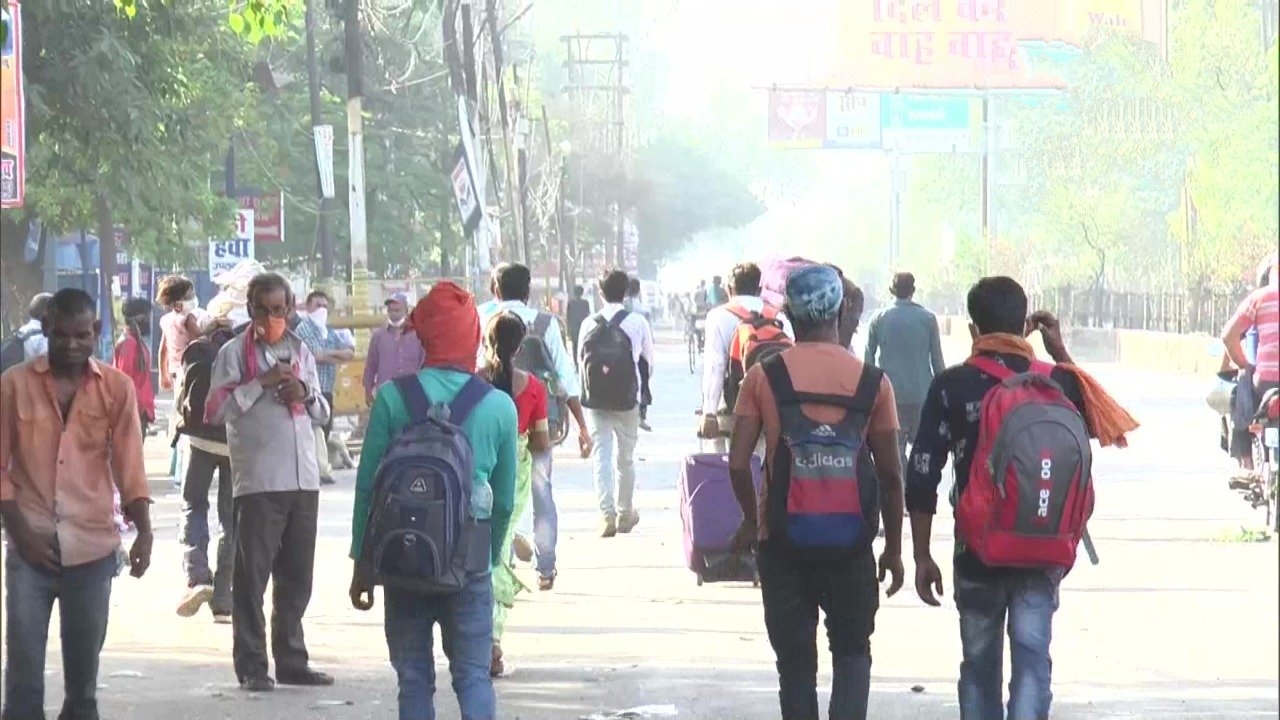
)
(609, 367)
(534, 357)
(197, 362)
(12, 350)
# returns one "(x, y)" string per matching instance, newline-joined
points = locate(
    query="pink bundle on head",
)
(773, 278)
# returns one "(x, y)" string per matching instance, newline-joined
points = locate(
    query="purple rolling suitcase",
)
(710, 515)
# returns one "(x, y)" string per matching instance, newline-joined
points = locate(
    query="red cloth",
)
(448, 326)
(531, 407)
(134, 359)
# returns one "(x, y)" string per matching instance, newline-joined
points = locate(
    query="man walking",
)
(34, 343)
(266, 391)
(330, 349)
(69, 436)
(903, 341)
(445, 323)
(512, 286)
(393, 351)
(576, 312)
(831, 471)
(613, 343)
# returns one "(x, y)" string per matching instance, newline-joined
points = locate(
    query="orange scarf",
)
(1106, 419)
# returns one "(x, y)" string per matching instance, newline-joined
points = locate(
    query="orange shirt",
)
(820, 368)
(62, 475)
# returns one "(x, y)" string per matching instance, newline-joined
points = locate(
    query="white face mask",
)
(397, 323)
(320, 316)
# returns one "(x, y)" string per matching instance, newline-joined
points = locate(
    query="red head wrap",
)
(448, 326)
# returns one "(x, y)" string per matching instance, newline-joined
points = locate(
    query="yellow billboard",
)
(12, 130)
(974, 44)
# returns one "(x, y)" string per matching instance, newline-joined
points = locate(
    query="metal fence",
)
(1187, 312)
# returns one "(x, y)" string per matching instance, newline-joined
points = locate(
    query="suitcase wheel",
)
(699, 579)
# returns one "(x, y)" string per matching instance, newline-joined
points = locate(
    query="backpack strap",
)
(784, 392)
(541, 323)
(991, 366)
(467, 399)
(616, 322)
(414, 397)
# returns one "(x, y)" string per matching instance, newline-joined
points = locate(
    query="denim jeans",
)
(83, 593)
(1028, 599)
(613, 436)
(849, 596)
(466, 630)
(194, 533)
(545, 521)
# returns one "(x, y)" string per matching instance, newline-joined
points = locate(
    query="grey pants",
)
(613, 465)
(276, 541)
(194, 534)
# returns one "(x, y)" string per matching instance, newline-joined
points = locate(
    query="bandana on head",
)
(814, 294)
(448, 327)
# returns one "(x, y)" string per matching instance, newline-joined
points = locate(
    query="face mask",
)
(272, 330)
(320, 316)
(397, 323)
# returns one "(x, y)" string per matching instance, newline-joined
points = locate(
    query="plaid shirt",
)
(318, 341)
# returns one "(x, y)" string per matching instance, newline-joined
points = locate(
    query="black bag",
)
(609, 367)
(12, 351)
(534, 357)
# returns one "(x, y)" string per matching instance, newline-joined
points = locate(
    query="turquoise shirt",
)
(491, 427)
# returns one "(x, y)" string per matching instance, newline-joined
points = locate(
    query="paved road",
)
(1179, 620)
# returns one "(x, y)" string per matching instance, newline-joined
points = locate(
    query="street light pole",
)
(565, 275)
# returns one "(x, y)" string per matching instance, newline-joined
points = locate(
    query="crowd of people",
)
(455, 474)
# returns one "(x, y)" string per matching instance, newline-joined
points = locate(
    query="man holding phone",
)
(266, 391)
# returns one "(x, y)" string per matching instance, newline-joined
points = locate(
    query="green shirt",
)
(491, 428)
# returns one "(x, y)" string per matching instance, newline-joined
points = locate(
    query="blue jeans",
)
(614, 431)
(83, 593)
(466, 631)
(194, 532)
(1028, 599)
(545, 521)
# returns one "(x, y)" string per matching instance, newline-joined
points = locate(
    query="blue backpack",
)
(421, 534)
(823, 501)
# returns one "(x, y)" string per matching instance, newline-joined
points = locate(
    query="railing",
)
(1195, 312)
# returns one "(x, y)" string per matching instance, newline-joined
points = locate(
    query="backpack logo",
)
(419, 486)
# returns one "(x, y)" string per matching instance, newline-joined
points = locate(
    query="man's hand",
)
(710, 429)
(368, 398)
(37, 551)
(276, 375)
(291, 390)
(584, 442)
(928, 580)
(891, 565)
(1050, 332)
(343, 355)
(744, 538)
(140, 554)
(361, 591)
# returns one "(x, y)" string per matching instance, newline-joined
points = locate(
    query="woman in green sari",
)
(502, 340)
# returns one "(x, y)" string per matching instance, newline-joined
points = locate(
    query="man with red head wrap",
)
(447, 324)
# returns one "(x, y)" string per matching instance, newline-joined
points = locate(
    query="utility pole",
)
(323, 237)
(595, 65)
(355, 157)
(988, 214)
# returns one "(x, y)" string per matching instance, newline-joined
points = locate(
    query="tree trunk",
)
(106, 266)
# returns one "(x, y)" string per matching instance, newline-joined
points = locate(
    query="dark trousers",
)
(83, 593)
(849, 596)
(194, 533)
(276, 541)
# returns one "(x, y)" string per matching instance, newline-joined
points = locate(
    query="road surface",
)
(1178, 621)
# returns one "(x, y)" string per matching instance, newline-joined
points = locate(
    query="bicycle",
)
(694, 334)
(1266, 458)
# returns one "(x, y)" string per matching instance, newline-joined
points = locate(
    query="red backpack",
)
(1030, 490)
(759, 335)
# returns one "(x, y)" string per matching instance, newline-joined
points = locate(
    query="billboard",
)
(13, 151)
(974, 44)
(268, 215)
(797, 119)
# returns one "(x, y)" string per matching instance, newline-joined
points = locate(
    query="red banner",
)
(268, 215)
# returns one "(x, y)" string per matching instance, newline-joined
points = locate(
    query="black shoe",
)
(328, 481)
(258, 684)
(307, 678)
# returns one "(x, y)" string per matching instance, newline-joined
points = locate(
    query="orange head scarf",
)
(448, 326)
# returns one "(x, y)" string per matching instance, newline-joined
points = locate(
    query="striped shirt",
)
(1262, 310)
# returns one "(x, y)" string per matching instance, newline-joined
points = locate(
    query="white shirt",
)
(35, 345)
(636, 328)
(720, 326)
(566, 374)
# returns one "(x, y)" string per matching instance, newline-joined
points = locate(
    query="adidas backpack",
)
(824, 496)
(421, 535)
(759, 335)
(1030, 489)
